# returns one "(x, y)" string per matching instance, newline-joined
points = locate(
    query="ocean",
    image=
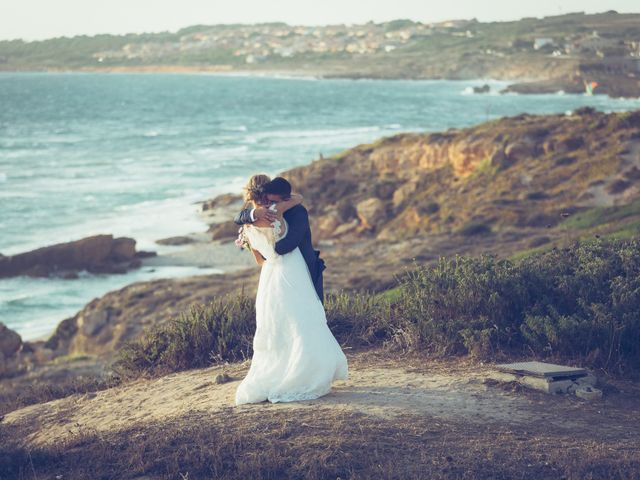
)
(131, 154)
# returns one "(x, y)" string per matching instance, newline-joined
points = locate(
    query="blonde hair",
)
(253, 189)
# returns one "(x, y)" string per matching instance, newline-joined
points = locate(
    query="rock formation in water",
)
(96, 254)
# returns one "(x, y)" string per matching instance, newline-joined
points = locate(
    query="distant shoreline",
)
(521, 86)
(213, 69)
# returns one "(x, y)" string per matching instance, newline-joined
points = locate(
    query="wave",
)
(319, 133)
(3, 177)
(231, 128)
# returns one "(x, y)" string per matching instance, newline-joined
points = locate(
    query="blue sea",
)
(131, 154)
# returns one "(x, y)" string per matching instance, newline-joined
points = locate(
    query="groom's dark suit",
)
(299, 235)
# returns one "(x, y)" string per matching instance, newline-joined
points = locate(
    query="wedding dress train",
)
(295, 355)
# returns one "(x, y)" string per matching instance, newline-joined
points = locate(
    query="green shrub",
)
(220, 331)
(580, 303)
(358, 318)
(459, 295)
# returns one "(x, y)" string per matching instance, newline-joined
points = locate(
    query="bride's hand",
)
(292, 201)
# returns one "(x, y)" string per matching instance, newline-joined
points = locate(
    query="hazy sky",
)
(37, 19)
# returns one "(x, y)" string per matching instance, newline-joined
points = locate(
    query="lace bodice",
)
(263, 239)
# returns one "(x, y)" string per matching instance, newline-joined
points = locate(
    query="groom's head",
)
(277, 190)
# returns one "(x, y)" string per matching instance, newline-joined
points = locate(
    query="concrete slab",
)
(541, 369)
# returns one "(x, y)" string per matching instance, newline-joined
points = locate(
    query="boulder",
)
(99, 253)
(521, 150)
(326, 225)
(404, 194)
(92, 322)
(224, 231)
(345, 228)
(10, 341)
(223, 200)
(175, 241)
(123, 249)
(371, 212)
(483, 89)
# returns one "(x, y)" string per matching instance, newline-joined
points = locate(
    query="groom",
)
(299, 233)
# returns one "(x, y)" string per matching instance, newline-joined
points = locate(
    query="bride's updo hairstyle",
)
(254, 189)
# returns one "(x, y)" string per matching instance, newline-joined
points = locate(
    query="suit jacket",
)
(298, 235)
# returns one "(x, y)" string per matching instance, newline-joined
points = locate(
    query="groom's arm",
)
(251, 215)
(245, 216)
(298, 226)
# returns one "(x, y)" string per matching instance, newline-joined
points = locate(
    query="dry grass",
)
(322, 444)
(14, 395)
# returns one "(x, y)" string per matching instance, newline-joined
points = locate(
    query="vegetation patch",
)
(577, 304)
(473, 229)
(601, 215)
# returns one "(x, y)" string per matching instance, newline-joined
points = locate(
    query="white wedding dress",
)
(295, 355)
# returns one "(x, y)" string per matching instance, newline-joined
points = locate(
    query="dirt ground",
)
(378, 386)
(396, 417)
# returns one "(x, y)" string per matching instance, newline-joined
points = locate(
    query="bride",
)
(295, 355)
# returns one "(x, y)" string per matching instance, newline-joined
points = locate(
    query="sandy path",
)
(377, 388)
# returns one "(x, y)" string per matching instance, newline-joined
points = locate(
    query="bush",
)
(219, 331)
(358, 318)
(222, 331)
(459, 305)
(580, 303)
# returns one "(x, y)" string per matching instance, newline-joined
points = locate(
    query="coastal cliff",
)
(520, 172)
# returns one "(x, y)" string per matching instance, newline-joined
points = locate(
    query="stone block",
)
(547, 385)
(589, 393)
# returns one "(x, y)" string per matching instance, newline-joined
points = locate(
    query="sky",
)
(40, 19)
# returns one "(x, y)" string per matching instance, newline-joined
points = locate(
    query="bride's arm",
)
(283, 206)
(259, 258)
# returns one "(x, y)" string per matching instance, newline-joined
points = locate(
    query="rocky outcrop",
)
(10, 341)
(97, 254)
(10, 344)
(491, 173)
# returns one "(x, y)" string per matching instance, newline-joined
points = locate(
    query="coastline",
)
(196, 250)
(455, 215)
(512, 84)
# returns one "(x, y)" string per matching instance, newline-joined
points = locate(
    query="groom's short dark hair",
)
(278, 186)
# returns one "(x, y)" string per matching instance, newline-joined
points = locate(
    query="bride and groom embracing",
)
(295, 355)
